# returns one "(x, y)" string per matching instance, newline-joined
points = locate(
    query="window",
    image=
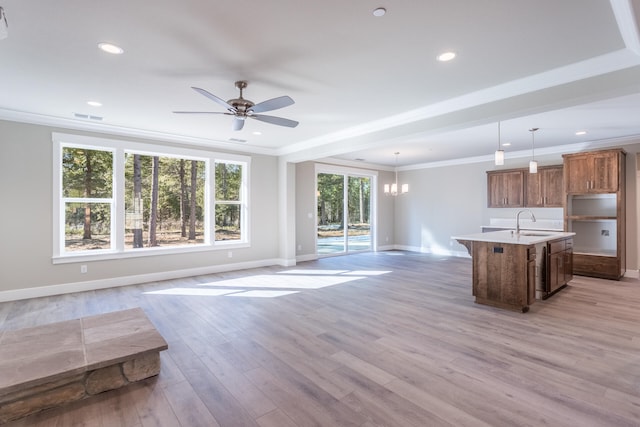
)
(229, 191)
(119, 199)
(345, 220)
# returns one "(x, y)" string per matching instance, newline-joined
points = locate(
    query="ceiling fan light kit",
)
(241, 108)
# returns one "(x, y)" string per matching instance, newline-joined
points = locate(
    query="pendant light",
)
(533, 164)
(499, 156)
(392, 189)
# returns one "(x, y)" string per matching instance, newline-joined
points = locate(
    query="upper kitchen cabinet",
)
(593, 172)
(545, 188)
(505, 189)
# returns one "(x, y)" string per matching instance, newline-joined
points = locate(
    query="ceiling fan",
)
(242, 108)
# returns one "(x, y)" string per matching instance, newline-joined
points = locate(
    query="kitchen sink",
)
(535, 233)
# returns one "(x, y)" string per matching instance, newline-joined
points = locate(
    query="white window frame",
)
(119, 148)
(347, 172)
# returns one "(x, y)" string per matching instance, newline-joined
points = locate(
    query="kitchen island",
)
(511, 269)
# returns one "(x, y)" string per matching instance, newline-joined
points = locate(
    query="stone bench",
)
(50, 365)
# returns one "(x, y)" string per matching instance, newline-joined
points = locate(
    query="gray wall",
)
(26, 219)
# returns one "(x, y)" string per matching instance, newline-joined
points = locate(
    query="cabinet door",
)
(605, 172)
(535, 189)
(568, 265)
(495, 190)
(555, 271)
(553, 187)
(577, 175)
(513, 189)
(505, 189)
(531, 281)
(592, 172)
(545, 188)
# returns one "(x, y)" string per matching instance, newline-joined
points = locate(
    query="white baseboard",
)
(632, 274)
(307, 257)
(66, 288)
(457, 254)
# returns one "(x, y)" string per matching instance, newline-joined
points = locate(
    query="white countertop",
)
(525, 237)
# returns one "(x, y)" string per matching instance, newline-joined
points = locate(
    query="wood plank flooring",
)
(375, 339)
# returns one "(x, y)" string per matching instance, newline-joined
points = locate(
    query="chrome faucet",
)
(533, 219)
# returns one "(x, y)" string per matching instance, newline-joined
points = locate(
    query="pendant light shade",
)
(499, 156)
(533, 164)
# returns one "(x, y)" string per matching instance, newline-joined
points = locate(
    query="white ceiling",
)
(365, 87)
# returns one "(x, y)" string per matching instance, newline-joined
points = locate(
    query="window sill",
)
(144, 252)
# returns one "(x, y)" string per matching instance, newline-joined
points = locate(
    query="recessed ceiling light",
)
(379, 11)
(257, 132)
(581, 132)
(94, 103)
(446, 56)
(110, 48)
(506, 144)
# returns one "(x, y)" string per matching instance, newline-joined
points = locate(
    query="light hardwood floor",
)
(386, 339)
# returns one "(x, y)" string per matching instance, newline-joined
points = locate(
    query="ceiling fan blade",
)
(199, 112)
(238, 123)
(214, 98)
(275, 120)
(272, 104)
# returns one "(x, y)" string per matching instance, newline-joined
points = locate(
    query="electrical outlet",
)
(230, 254)
(83, 269)
(604, 233)
(299, 247)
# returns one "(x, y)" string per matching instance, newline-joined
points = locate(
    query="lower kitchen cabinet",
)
(559, 266)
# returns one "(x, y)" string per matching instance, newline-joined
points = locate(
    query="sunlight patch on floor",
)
(314, 272)
(272, 285)
(201, 292)
(263, 294)
(271, 281)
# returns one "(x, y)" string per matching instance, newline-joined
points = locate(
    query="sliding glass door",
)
(344, 213)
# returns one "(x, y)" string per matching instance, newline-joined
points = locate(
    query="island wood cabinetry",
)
(595, 211)
(545, 188)
(505, 189)
(559, 266)
(504, 275)
(509, 267)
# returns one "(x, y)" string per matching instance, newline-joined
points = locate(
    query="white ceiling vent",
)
(87, 116)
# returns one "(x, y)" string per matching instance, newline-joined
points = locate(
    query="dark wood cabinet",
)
(595, 210)
(592, 172)
(545, 188)
(559, 265)
(505, 189)
(504, 275)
